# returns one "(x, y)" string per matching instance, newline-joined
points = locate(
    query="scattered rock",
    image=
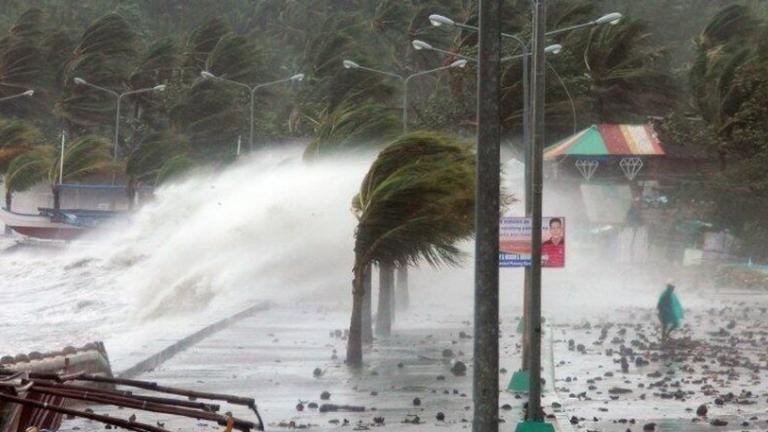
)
(459, 368)
(649, 427)
(337, 408)
(718, 422)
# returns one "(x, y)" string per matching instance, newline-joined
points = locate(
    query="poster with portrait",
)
(515, 242)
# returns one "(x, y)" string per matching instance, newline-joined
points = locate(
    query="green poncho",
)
(670, 309)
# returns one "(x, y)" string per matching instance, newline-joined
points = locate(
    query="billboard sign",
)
(515, 242)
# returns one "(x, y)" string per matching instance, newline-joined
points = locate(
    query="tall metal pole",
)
(527, 145)
(61, 156)
(117, 126)
(405, 105)
(534, 327)
(253, 98)
(486, 342)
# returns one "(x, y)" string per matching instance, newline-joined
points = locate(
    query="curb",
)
(157, 359)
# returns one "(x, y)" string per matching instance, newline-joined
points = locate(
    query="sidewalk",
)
(272, 357)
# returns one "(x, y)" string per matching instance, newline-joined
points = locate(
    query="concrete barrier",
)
(161, 357)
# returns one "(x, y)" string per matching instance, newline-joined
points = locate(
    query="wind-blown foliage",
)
(174, 168)
(353, 128)
(146, 161)
(416, 202)
(103, 57)
(17, 137)
(83, 157)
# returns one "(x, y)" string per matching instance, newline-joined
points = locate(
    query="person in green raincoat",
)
(670, 311)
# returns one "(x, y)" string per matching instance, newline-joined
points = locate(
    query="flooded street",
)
(609, 371)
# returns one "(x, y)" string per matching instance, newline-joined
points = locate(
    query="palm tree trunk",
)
(56, 197)
(386, 289)
(403, 300)
(8, 202)
(367, 320)
(355, 341)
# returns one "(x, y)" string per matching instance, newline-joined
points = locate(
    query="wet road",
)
(719, 360)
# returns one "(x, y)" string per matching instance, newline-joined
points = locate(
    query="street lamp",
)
(550, 49)
(533, 181)
(421, 45)
(252, 90)
(462, 62)
(25, 93)
(612, 18)
(119, 96)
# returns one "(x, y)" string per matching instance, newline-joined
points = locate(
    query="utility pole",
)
(537, 154)
(486, 342)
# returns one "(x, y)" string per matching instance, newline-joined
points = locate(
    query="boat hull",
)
(39, 227)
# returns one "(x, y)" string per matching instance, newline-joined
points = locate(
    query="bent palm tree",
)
(351, 128)
(83, 157)
(415, 203)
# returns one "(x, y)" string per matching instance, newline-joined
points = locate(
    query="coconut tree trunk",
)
(367, 320)
(131, 191)
(402, 300)
(355, 341)
(386, 289)
(56, 197)
(8, 202)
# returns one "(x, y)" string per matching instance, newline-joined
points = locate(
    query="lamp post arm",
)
(266, 84)
(429, 71)
(104, 89)
(133, 92)
(7, 98)
(237, 83)
(393, 75)
(407, 80)
(454, 54)
(571, 28)
(550, 33)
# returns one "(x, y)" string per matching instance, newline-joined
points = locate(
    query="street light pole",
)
(252, 90)
(485, 391)
(537, 155)
(402, 271)
(612, 19)
(349, 64)
(119, 97)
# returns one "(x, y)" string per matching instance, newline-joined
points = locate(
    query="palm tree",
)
(83, 157)
(624, 72)
(148, 160)
(16, 137)
(104, 56)
(174, 168)
(415, 203)
(350, 128)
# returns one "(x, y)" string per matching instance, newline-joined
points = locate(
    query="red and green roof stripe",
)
(608, 140)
